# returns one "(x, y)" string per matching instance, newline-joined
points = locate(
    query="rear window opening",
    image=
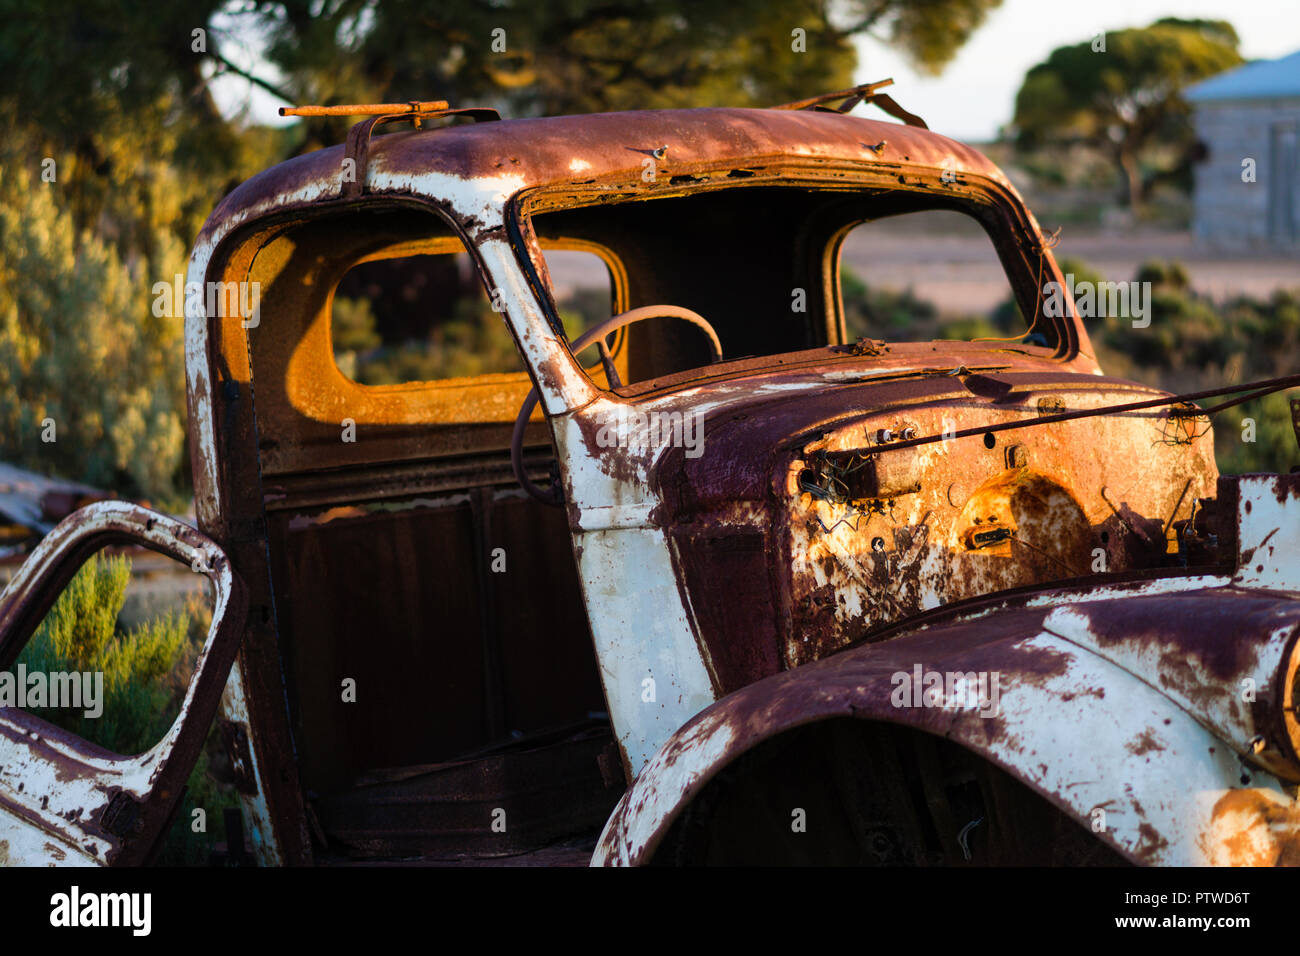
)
(428, 317)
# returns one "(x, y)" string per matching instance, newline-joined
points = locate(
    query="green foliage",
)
(591, 55)
(79, 345)
(114, 97)
(1126, 101)
(1194, 343)
(1274, 447)
(81, 634)
(931, 32)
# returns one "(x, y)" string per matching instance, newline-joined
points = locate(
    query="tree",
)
(580, 56)
(1121, 94)
(117, 97)
(930, 32)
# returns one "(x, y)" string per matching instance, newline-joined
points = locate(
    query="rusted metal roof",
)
(536, 152)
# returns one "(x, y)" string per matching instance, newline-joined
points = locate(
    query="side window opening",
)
(112, 658)
(417, 319)
(428, 317)
(111, 662)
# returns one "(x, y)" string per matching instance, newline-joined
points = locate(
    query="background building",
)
(1250, 113)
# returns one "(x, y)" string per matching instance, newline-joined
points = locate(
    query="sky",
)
(976, 93)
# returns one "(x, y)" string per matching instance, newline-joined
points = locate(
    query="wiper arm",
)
(1253, 390)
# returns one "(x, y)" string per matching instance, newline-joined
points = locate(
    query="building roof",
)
(1260, 80)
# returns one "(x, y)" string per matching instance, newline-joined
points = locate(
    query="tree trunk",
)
(1133, 175)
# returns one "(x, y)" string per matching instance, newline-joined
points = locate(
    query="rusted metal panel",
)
(527, 153)
(1168, 703)
(1079, 504)
(1082, 732)
(870, 562)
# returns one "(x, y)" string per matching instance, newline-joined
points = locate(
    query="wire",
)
(1049, 242)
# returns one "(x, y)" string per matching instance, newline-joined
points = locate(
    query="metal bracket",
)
(358, 144)
(865, 93)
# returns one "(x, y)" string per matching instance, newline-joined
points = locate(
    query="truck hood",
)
(793, 496)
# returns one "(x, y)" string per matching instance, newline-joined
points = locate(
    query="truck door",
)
(63, 800)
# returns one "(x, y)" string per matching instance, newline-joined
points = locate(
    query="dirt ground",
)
(958, 274)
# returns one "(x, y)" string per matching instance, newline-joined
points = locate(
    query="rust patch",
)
(1248, 828)
(1144, 743)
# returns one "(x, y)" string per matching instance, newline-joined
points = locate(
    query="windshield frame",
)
(1025, 255)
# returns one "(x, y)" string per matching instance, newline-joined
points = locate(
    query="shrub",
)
(81, 633)
(81, 347)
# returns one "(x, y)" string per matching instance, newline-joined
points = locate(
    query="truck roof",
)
(573, 149)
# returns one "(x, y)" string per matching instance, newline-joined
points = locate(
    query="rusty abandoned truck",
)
(894, 602)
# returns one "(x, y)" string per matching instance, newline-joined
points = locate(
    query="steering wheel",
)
(552, 495)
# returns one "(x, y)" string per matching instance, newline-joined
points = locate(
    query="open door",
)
(63, 800)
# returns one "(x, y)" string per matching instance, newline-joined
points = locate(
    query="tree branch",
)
(252, 78)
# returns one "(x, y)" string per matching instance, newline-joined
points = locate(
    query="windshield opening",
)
(780, 269)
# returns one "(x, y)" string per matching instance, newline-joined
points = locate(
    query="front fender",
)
(1166, 704)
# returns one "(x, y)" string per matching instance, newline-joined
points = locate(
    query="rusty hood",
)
(748, 501)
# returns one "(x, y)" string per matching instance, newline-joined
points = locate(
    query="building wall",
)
(1228, 212)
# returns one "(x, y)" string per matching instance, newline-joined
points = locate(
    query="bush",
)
(80, 633)
(80, 347)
